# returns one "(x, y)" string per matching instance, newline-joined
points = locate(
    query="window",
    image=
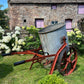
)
(68, 24)
(53, 6)
(81, 9)
(39, 23)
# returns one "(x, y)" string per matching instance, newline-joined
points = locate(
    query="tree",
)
(81, 25)
(4, 18)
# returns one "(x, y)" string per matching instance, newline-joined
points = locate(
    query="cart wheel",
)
(67, 63)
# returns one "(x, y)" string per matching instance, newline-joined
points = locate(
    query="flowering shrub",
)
(33, 41)
(10, 41)
(52, 79)
(76, 37)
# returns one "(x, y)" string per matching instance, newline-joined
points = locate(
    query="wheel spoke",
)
(65, 67)
(74, 60)
(70, 55)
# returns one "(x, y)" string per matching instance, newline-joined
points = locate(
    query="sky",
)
(4, 3)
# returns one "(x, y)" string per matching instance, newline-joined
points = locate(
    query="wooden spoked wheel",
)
(67, 61)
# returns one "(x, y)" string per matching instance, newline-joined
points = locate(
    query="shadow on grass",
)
(5, 70)
(81, 51)
(77, 66)
(59, 74)
(81, 54)
(1, 58)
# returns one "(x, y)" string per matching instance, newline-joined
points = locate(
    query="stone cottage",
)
(45, 12)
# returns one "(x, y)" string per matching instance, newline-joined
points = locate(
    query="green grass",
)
(21, 74)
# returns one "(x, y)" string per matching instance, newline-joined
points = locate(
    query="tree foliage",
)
(4, 18)
(81, 25)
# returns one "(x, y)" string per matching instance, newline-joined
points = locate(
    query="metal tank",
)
(51, 37)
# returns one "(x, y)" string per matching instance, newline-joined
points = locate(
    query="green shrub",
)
(52, 79)
(32, 41)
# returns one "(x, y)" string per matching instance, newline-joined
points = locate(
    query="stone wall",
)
(29, 12)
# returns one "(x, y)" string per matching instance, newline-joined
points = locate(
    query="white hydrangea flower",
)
(20, 41)
(18, 49)
(11, 32)
(78, 32)
(0, 27)
(17, 28)
(7, 51)
(14, 48)
(76, 29)
(13, 44)
(16, 41)
(6, 47)
(0, 41)
(6, 39)
(3, 46)
(17, 32)
(68, 33)
(14, 35)
(8, 34)
(1, 30)
(9, 38)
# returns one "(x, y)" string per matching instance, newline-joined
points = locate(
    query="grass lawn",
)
(21, 74)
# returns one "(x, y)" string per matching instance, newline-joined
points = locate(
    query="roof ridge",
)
(46, 1)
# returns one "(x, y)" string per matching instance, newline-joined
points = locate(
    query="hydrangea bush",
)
(76, 37)
(32, 41)
(10, 41)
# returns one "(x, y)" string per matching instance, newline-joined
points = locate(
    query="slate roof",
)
(46, 1)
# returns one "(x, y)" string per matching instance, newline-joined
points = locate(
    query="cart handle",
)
(18, 63)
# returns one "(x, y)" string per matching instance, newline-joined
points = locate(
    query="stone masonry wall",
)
(29, 12)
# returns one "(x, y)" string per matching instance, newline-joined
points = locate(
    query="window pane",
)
(54, 7)
(68, 25)
(81, 9)
(39, 23)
